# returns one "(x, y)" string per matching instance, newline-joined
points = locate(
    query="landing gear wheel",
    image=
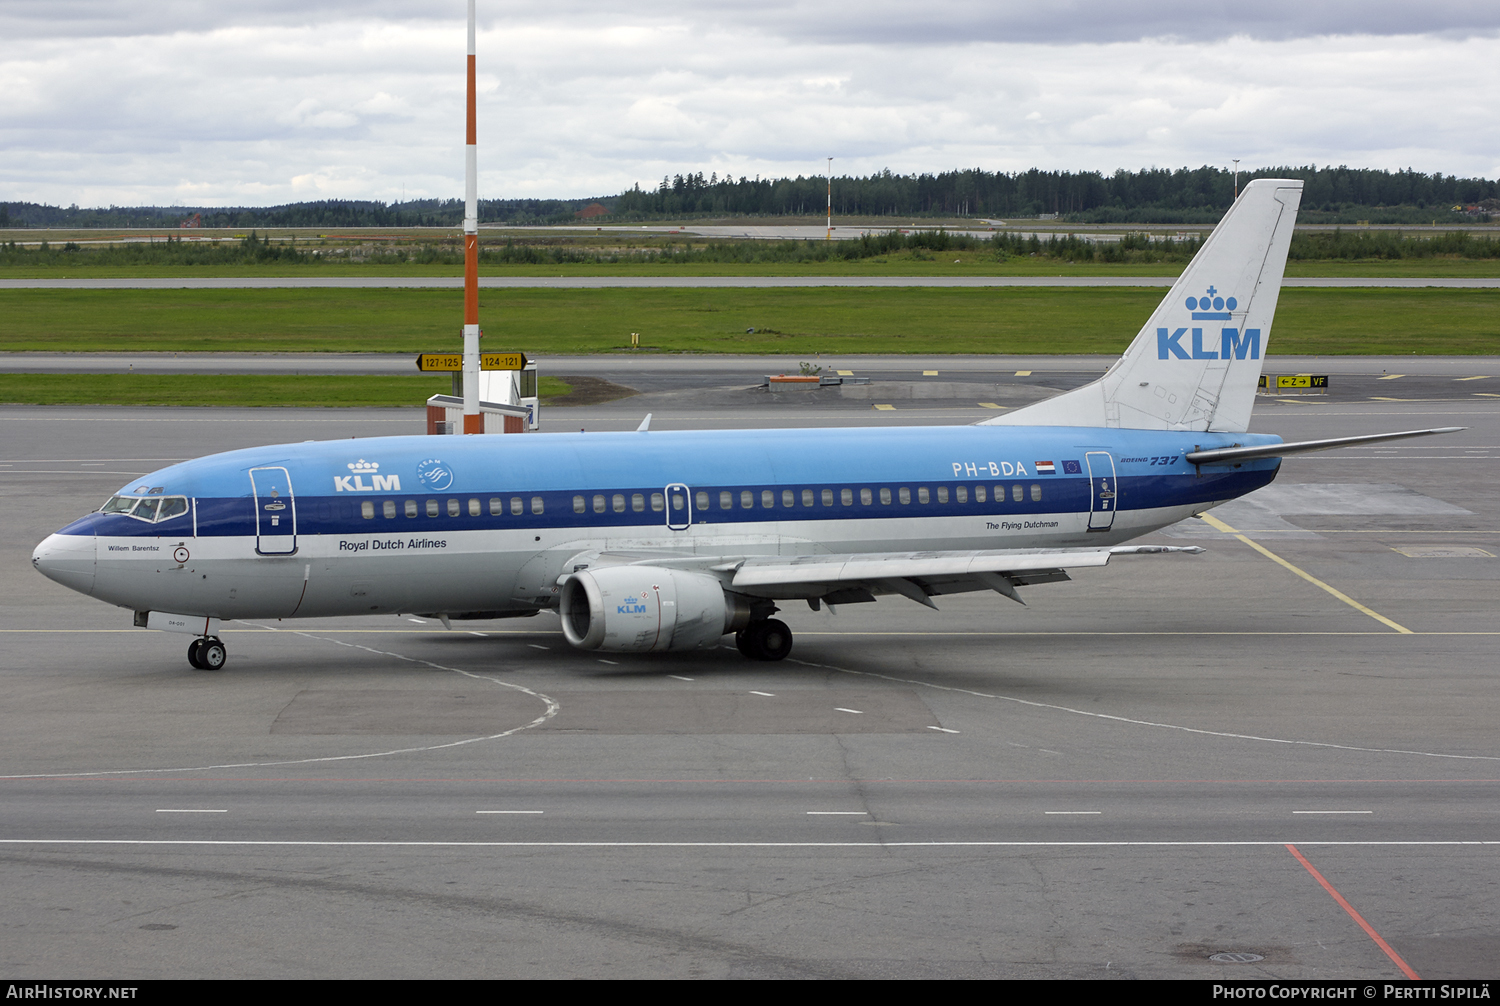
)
(766, 640)
(212, 655)
(195, 651)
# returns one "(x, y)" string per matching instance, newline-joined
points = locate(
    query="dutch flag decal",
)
(1045, 468)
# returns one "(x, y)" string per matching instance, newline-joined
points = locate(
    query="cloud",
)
(238, 103)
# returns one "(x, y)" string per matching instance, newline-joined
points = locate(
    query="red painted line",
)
(1369, 930)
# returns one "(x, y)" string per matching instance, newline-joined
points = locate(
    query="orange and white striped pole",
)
(473, 420)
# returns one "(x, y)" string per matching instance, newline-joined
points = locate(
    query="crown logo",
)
(364, 466)
(1211, 307)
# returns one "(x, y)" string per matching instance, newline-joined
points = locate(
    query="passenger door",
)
(1103, 492)
(275, 511)
(679, 507)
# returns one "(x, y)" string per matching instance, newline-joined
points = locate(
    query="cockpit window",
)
(151, 509)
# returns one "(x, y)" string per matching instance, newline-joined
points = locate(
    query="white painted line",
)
(1072, 812)
(1333, 812)
(1390, 377)
(769, 695)
(838, 813)
(841, 709)
(679, 677)
(612, 663)
(419, 621)
(508, 812)
(625, 844)
(945, 730)
(190, 810)
(538, 646)
(473, 633)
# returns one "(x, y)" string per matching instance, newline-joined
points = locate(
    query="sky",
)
(241, 103)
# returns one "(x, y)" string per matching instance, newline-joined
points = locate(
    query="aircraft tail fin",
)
(1196, 363)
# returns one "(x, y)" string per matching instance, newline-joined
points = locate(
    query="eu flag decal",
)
(1072, 468)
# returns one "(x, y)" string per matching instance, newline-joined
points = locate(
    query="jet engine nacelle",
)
(645, 609)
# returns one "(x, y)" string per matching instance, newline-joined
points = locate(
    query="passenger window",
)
(942, 494)
(1015, 492)
(904, 495)
(172, 506)
(578, 504)
(453, 507)
(747, 499)
(496, 506)
(767, 498)
(367, 509)
(885, 495)
(866, 497)
(828, 497)
(637, 502)
(410, 507)
(846, 497)
(516, 506)
(979, 494)
(788, 498)
(473, 507)
(536, 504)
(922, 495)
(1036, 493)
(679, 501)
(702, 501)
(658, 502)
(726, 500)
(807, 497)
(598, 504)
(618, 502)
(388, 509)
(432, 508)
(963, 494)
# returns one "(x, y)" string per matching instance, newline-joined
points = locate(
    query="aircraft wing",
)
(845, 579)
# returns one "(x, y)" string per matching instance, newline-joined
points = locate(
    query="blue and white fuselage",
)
(488, 524)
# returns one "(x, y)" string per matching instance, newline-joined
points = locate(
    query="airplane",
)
(649, 541)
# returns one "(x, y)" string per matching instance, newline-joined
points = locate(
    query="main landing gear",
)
(207, 654)
(767, 639)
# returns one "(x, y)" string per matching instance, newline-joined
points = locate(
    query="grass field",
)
(827, 321)
(902, 264)
(233, 389)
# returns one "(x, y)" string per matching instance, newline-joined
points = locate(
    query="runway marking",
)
(1333, 812)
(538, 646)
(509, 812)
(679, 677)
(1369, 929)
(1072, 812)
(1142, 723)
(552, 709)
(612, 663)
(1221, 526)
(769, 695)
(1389, 377)
(827, 844)
(189, 810)
(1023, 373)
(844, 373)
(886, 408)
(929, 373)
(1476, 377)
(990, 405)
(841, 709)
(943, 730)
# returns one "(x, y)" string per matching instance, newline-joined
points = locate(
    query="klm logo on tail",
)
(1233, 344)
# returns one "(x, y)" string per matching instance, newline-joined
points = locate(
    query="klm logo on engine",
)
(633, 608)
(356, 483)
(1233, 344)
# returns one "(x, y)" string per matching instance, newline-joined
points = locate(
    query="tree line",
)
(1151, 195)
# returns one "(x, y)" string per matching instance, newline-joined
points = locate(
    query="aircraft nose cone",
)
(69, 559)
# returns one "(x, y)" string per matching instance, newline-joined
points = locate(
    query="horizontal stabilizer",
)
(1233, 455)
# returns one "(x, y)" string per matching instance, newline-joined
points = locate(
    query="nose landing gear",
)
(207, 654)
(767, 639)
